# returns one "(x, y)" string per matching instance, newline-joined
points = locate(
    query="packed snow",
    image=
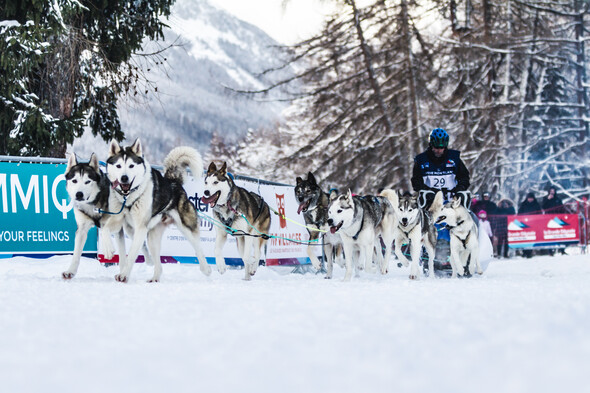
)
(521, 327)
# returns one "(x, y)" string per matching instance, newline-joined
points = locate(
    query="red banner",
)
(542, 230)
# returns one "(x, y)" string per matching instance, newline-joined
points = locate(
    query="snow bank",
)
(522, 327)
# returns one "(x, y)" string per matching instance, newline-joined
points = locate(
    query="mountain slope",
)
(212, 51)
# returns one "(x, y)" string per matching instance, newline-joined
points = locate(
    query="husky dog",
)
(90, 189)
(359, 221)
(464, 234)
(413, 226)
(239, 209)
(152, 201)
(314, 202)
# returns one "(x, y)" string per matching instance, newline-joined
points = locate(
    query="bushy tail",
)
(180, 158)
(391, 196)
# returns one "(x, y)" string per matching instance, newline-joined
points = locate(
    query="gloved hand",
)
(425, 198)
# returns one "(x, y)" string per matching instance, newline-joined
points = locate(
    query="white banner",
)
(279, 249)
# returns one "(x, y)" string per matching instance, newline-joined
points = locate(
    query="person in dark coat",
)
(485, 204)
(505, 208)
(439, 168)
(551, 203)
(529, 206)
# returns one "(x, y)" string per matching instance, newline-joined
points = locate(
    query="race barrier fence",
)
(37, 218)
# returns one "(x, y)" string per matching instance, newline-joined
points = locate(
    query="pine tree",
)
(64, 63)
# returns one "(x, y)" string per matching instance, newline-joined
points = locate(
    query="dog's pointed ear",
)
(94, 162)
(114, 148)
(223, 169)
(437, 203)
(72, 162)
(311, 178)
(333, 194)
(136, 148)
(212, 169)
(395, 195)
(456, 202)
(299, 180)
(349, 195)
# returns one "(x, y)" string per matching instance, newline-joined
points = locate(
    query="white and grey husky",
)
(464, 234)
(413, 226)
(241, 210)
(152, 201)
(360, 220)
(90, 189)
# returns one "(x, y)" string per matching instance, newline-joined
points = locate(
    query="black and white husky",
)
(360, 220)
(413, 226)
(152, 201)
(90, 189)
(464, 233)
(242, 211)
(314, 203)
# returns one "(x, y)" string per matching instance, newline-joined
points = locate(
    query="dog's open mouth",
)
(303, 206)
(212, 200)
(335, 229)
(124, 187)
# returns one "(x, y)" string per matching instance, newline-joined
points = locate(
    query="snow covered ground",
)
(522, 327)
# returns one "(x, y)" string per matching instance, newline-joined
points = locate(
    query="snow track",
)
(521, 327)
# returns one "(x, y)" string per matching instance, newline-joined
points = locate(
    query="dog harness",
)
(464, 241)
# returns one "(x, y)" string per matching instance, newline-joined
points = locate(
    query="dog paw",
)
(205, 269)
(221, 269)
(153, 280)
(413, 277)
(121, 278)
(68, 275)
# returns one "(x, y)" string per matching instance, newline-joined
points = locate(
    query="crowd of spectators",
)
(494, 216)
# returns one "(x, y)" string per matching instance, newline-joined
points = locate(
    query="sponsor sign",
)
(525, 231)
(36, 215)
(281, 249)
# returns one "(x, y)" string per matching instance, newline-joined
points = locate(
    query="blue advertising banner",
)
(36, 215)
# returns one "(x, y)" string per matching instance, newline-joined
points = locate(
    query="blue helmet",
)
(438, 138)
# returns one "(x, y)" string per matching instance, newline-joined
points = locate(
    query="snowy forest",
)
(507, 80)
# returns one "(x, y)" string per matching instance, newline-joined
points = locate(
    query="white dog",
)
(464, 234)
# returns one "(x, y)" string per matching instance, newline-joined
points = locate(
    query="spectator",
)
(551, 203)
(529, 206)
(484, 224)
(505, 208)
(484, 204)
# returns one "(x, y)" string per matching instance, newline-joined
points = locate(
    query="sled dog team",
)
(135, 199)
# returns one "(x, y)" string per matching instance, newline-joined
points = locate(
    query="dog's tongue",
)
(333, 230)
(115, 184)
(208, 200)
(300, 208)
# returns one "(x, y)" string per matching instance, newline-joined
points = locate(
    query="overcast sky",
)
(297, 20)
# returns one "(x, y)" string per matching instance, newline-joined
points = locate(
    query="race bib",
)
(440, 181)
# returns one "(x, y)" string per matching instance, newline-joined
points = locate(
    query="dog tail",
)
(179, 159)
(391, 196)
